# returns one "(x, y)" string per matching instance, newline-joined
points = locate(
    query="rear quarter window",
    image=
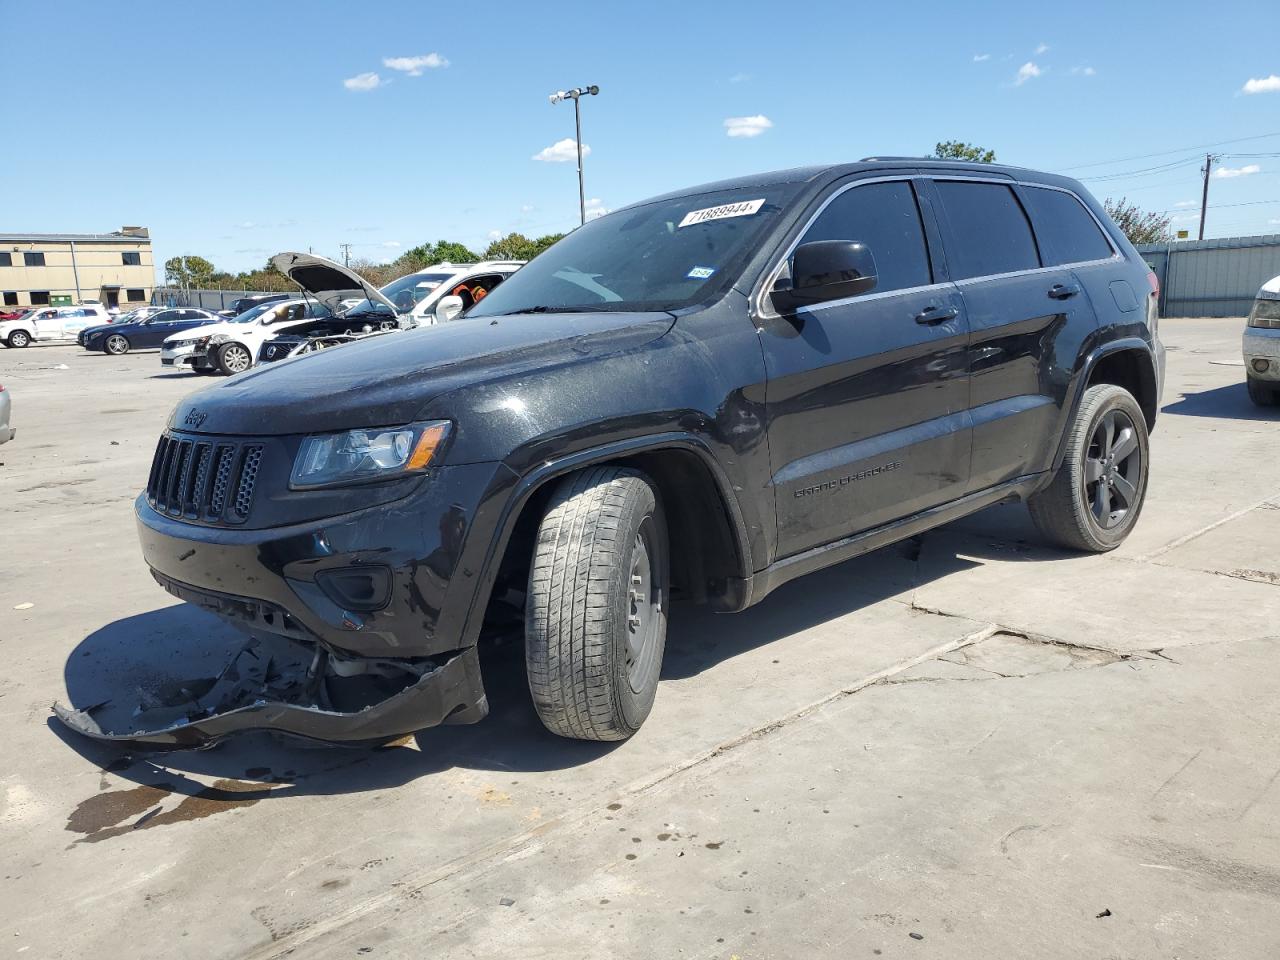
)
(987, 230)
(1066, 230)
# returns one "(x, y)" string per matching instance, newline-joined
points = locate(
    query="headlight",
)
(362, 456)
(1265, 314)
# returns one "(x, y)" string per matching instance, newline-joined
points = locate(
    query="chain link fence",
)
(214, 300)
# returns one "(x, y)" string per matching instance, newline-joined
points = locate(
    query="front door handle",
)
(1063, 291)
(934, 315)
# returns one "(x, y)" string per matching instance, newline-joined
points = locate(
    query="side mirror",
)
(824, 270)
(447, 308)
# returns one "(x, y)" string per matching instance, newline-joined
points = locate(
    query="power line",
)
(1166, 153)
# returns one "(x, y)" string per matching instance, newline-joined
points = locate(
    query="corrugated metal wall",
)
(1212, 278)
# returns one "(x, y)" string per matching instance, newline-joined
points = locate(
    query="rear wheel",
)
(19, 338)
(1261, 393)
(116, 344)
(233, 358)
(1097, 493)
(596, 619)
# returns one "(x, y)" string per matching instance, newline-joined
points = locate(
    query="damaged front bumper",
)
(261, 688)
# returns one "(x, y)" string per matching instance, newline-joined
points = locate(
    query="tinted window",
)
(988, 232)
(1068, 234)
(166, 316)
(33, 259)
(135, 294)
(885, 217)
(131, 259)
(39, 297)
(10, 298)
(6, 259)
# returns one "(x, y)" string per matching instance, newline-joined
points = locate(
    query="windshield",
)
(406, 293)
(657, 256)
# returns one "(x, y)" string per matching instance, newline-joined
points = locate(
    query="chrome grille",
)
(210, 481)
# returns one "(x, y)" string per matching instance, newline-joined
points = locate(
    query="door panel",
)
(867, 406)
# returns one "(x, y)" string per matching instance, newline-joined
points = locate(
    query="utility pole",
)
(1204, 196)
(346, 254)
(575, 95)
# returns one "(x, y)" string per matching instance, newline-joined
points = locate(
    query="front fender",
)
(1084, 372)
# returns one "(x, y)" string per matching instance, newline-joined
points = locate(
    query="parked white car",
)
(413, 301)
(52, 323)
(231, 346)
(1262, 346)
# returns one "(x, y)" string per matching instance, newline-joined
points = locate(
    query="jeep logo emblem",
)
(195, 418)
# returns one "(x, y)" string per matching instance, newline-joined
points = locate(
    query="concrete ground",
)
(966, 746)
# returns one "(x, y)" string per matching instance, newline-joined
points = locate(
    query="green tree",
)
(1140, 226)
(189, 271)
(516, 246)
(959, 150)
(442, 251)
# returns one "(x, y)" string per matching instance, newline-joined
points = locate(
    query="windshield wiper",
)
(542, 308)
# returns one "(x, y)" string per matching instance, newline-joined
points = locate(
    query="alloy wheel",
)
(117, 344)
(236, 358)
(1112, 469)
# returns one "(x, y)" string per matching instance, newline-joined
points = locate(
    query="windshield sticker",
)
(700, 273)
(744, 208)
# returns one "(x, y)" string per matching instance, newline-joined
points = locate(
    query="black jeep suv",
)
(707, 393)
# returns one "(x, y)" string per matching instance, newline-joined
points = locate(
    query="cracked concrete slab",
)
(1247, 548)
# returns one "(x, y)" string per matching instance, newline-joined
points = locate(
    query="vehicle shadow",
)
(1229, 402)
(116, 664)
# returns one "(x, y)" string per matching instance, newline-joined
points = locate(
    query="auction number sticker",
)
(743, 208)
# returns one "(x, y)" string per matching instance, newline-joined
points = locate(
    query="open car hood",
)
(328, 282)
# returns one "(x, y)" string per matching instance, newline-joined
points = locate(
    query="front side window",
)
(1067, 233)
(33, 259)
(886, 218)
(987, 230)
(661, 255)
(131, 259)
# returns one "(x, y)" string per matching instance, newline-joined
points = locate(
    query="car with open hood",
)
(433, 295)
(704, 395)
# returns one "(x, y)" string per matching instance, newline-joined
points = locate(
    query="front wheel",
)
(116, 345)
(19, 338)
(1097, 493)
(596, 618)
(233, 358)
(1263, 394)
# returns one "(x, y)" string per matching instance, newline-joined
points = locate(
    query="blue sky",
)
(231, 131)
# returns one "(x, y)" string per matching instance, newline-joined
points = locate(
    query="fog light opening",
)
(1261, 365)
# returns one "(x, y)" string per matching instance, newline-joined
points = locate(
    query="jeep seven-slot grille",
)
(207, 480)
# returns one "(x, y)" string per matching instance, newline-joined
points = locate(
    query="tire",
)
(594, 633)
(116, 345)
(1261, 393)
(232, 358)
(1097, 494)
(19, 339)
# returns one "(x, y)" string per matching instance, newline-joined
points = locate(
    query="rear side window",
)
(988, 231)
(885, 217)
(1067, 233)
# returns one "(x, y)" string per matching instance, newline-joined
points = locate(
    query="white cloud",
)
(413, 66)
(391, 244)
(980, 57)
(363, 82)
(562, 151)
(494, 235)
(1043, 48)
(740, 78)
(747, 126)
(1269, 84)
(596, 208)
(1273, 221)
(527, 208)
(1185, 203)
(246, 225)
(1025, 73)
(1184, 218)
(1226, 173)
(1083, 71)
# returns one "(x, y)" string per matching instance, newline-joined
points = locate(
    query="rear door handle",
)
(934, 315)
(1064, 291)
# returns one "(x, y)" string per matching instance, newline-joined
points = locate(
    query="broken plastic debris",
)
(24, 606)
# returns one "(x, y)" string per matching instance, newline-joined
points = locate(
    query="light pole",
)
(574, 95)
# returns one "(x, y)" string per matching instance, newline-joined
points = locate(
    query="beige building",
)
(66, 268)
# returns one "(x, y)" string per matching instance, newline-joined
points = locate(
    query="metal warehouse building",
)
(63, 268)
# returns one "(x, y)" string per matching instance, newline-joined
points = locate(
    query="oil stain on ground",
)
(102, 817)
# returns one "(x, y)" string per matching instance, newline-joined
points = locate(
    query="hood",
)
(328, 282)
(209, 329)
(1270, 290)
(388, 380)
(105, 328)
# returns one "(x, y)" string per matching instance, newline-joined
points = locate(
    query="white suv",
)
(1262, 346)
(52, 323)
